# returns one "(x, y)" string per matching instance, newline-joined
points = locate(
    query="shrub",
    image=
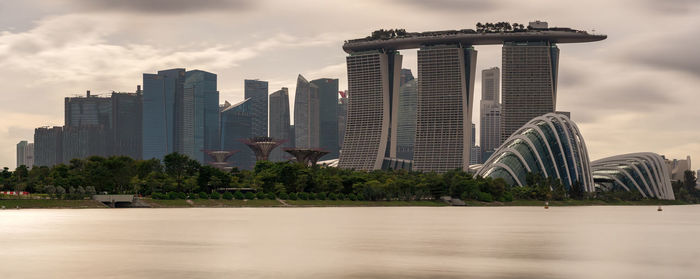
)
(352, 197)
(238, 195)
(332, 196)
(172, 195)
(303, 196)
(321, 196)
(157, 196)
(311, 196)
(215, 195)
(203, 195)
(249, 196)
(284, 196)
(484, 197)
(341, 196)
(181, 196)
(360, 197)
(293, 196)
(228, 196)
(270, 196)
(260, 196)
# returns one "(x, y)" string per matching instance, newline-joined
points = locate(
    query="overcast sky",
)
(636, 91)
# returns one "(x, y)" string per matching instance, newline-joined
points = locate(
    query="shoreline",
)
(13, 204)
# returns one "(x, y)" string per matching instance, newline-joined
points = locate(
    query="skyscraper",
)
(83, 141)
(373, 85)
(475, 154)
(328, 116)
(25, 154)
(306, 114)
(162, 121)
(406, 133)
(279, 122)
(48, 146)
(342, 116)
(256, 90)
(237, 125)
(444, 116)
(126, 117)
(529, 83)
(490, 113)
(88, 127)
(202, 86)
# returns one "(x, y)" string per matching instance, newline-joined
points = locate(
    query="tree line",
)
(178, 176)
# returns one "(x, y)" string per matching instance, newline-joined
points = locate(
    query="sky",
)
(636, 91)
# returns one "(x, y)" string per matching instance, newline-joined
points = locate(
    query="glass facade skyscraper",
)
(88, 127)
(48, 146)
(205, 114)
(257, 91)
(237, 125)
(25, 154)
(306, 114)
(126, 114)
(161, 110)
(279, 123)
(490, 118)
(328, 116)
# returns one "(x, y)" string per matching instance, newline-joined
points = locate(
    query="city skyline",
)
(645, 89)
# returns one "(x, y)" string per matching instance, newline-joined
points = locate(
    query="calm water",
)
(507, 242)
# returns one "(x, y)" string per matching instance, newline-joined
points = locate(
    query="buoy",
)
(659, 209)
(546, 205)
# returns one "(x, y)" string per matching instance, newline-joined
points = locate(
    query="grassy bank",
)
(211, 203)
(362, 203)
(574, 203)
(27, 203)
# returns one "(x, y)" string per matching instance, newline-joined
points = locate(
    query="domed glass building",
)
(551, 145)
(645, 172)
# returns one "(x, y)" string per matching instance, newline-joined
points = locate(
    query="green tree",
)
(178, 166)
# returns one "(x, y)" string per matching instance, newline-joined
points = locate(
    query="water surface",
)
(394, 242)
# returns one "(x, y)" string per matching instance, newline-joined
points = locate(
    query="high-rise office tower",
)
(328, 116)
(306, 114)
(342, 116)
(529, 83)
(48, 146)
(163, 113)
(444, 116)
(202, 86)
(84, 141)
(25, 154)
(490, 113)
(406, 76)
(256, 90)
(406, 133)
(475, 154)
(126, 117)
(373, 87)
(279, 123)
(88, 127)
(236, 126)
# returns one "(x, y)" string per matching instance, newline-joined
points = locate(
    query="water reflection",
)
(508, 242)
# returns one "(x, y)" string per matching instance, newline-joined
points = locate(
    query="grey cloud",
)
(671, 6)
(164, 6)
(453, 5)
(632, 96)
(675, 52)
